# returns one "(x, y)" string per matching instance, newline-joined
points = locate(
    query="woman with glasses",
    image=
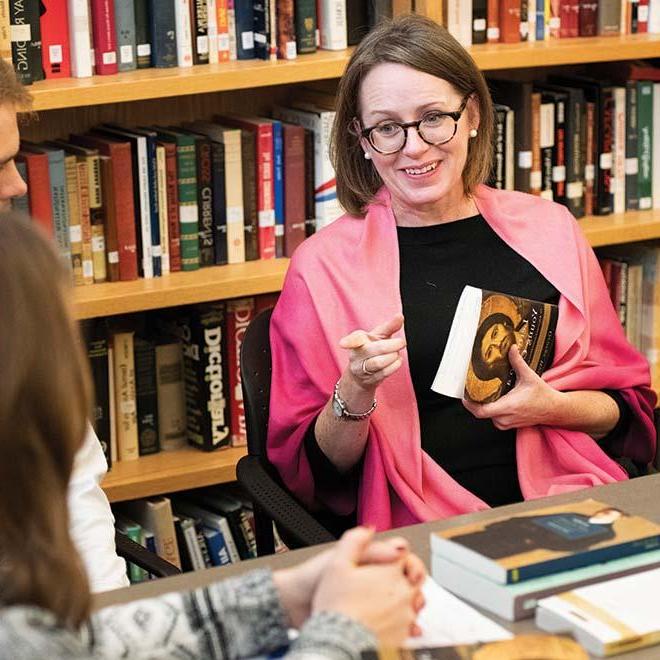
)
(366, 308)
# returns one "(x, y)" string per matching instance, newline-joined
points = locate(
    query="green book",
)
(186, 164)
(645, 143)
(305, 16)
(134, 532)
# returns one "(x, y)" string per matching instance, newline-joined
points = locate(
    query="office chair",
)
(140, 556)
(273, 502)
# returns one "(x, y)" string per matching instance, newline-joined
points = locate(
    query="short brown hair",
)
(421, 44)
(11, 90)
(45, 396)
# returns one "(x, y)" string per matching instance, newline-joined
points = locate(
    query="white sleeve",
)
(91, 521)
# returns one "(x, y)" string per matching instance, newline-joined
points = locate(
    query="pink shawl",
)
(347, 277)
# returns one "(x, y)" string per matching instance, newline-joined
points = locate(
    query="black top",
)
(436, 262)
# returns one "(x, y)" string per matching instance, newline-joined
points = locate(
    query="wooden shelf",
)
(626, 227)
(160, 83)
(168, 472)
(212, 283)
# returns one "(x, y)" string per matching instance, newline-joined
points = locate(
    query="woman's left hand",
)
(530, 402)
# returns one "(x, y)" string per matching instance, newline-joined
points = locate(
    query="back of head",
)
(424, 45)
(44, 404)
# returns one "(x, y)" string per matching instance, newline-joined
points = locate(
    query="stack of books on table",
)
(507, 564)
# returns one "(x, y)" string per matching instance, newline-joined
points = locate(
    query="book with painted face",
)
(486, 324)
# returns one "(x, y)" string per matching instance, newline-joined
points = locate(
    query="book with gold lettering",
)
(486, 324)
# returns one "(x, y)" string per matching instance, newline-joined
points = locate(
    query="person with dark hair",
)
(495, 336)
(347, 599)
(355, 430)
(90, 517)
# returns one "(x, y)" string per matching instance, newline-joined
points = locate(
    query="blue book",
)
(540, 20)
(162, 23)
(215, 544)
(278, 185)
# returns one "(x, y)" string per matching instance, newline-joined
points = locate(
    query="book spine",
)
(184, 35)
(142, 35)
(479, 21)
(212, 19)
(170, 390)
(305, 25)
(261, 29)
(81, 48)
(632, 162)
(125, 28)
(163, 220)
(266, 206)
(655, 159)
(619, 151)
(5, 31)
(244, 29)
(588, 18)
(85, 222)
(109, 221)
(174, 228)
(310, 188)
(497, 174)
(97, 352)
(493, 21)
(112, 400)
(200, 31)
(535, 176)
(236, 233)
(21, 36)
(232, 35)
(278, 186)
(332, 24)
(216, 546)
(239, 315)
(575, 155)
(250, 204)
(609, 17)
(75, 228)
(286, 30)
(605, 110)
(219, 204)
(223, 30)
(294, 193)
(124, 377)
(146, 396)
(590, 155)
(38, 180)
(105, 39)
(188, 209)
(21, 204)
(547, 143)
(205, 200)
(645, 143)
(509, 21)
(59, 203)
(55, 51)
(151, 199)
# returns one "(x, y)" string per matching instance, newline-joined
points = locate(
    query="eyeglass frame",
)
(455, 115)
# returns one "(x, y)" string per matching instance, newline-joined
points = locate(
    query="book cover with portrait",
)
(486, 324)
(545, 541)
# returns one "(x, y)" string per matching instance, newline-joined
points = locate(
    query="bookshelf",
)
(183, 93)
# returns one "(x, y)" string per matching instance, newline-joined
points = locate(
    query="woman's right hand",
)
(374, 355)
(379, 596)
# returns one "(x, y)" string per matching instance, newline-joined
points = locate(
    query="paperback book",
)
(545, 541)
(486, 324)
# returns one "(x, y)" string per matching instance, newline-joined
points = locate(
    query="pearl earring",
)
(367, 155)
(473, 132)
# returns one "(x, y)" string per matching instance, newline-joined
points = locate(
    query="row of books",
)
(169, 378)
(193, 530)
(64, 38)
(510, 21)
(128, 202)
(588, 143)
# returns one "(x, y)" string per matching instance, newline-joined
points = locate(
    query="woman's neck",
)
(442, 211)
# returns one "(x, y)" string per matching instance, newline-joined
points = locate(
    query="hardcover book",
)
(545, 541)
(475, 364)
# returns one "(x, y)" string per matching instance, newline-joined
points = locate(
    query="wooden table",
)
(640, 496)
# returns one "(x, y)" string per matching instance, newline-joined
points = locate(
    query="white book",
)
(654, 17)
(212, 13)
(332, 24)
(192, 543)
(459, 21)
(319, 121)
(546, 140)
(509, 151)
(231, 32)
(655, 155)
(609, 618)
(184, 46)
(114, 454)
(79, 28)
(163, 221)
(619, 151)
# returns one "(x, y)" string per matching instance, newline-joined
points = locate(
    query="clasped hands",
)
(374, 355)
(376, 583)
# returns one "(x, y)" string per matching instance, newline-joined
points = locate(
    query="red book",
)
(174, 229)
(642, 16)
(265, 301)
(38, 184)
(239, 314)
(588, 18)
(55, 51)
(263, 130)
(493, 21)
(509, 21)
(565, 14)
(122, 198)
(105, 36)
(294, 193)
(574, 19)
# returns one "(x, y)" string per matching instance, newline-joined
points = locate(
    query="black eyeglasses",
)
(434, 128)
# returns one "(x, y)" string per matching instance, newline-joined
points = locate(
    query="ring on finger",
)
(364, 368)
